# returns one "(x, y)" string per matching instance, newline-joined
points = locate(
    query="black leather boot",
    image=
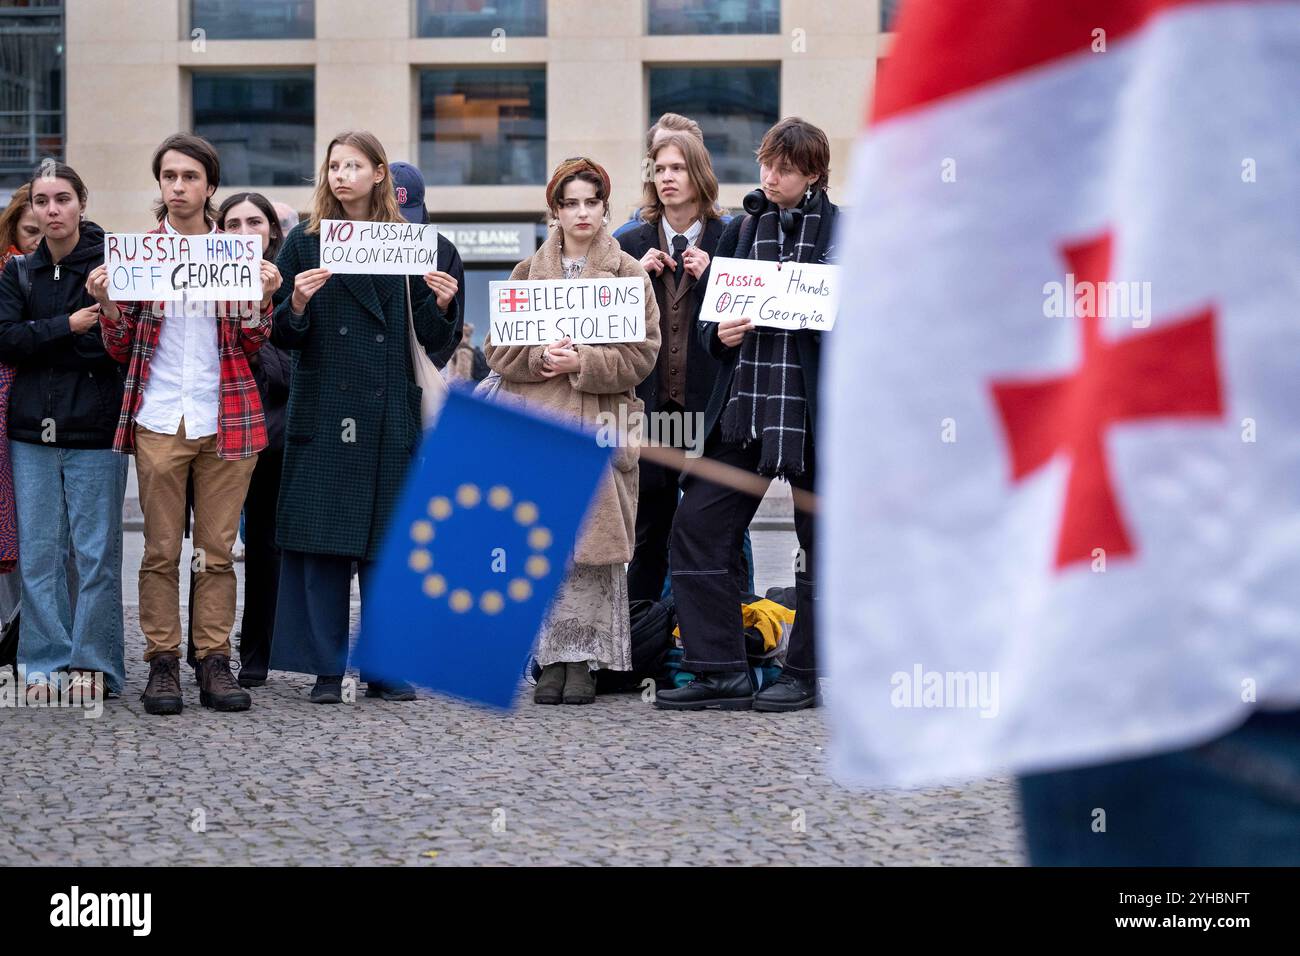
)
(162, 695)
(218, 688)
(727, 691)
(788, 692)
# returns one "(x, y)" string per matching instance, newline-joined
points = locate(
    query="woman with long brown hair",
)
(354, 414)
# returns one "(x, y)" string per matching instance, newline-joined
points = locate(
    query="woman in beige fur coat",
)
(587, 627)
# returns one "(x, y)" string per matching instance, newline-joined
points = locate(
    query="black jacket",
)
(701, 367)
(271, 368)
(808, 343)
(449, 262)
(60, 378)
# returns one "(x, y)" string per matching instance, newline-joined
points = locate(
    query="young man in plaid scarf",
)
(760, 418)
(191, 404)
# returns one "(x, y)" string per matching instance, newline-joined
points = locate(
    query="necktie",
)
(679, 255)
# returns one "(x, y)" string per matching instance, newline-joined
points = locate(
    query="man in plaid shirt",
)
(191, 405)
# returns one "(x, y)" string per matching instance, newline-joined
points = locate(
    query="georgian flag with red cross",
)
(1061, 432)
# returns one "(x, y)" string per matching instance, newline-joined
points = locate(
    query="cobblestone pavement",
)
(434, 782)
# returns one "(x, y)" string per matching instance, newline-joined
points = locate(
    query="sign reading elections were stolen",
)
(589, 311)
(378, 248)
(798, 295)
(166, 267)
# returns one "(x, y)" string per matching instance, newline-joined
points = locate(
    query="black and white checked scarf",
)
(767, 400)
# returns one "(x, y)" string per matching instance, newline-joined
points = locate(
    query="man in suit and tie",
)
(680, 229)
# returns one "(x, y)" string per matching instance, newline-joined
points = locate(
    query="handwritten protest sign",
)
(378, 248)
(799, 295)
(589, 311)
(166, 267)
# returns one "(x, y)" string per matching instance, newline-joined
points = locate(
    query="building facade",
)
(485, 96)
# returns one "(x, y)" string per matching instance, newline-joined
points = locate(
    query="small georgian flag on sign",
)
(513, 300)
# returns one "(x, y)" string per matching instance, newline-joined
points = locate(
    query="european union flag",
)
(478, 546)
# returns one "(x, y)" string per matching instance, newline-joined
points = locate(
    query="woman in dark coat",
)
(354, 414)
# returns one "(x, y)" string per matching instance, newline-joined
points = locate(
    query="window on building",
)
(676, 17)
(478, 18)
(734, 105)
(31, 87)
(483, 127)
(253, 19)
(262, 123)
(888, 14)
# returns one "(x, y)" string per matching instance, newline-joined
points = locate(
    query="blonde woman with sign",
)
(588, 627)
(354, 417)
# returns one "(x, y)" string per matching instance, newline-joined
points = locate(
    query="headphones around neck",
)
(756, 203)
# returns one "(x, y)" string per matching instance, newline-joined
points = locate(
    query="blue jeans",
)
(1234, 801)
(77, 494)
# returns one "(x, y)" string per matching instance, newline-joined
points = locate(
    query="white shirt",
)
(185, 371)
(692, 231)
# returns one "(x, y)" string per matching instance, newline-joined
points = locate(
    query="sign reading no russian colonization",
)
(378, 248)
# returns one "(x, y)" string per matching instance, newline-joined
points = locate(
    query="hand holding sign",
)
(560, 359)
(96, 286)
(270, 281)
(443, 286)
(732, 331)
(305, 285)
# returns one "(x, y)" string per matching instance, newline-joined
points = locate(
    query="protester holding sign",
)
(68, 483)
(354, 407)
(680, 231)
(191, 406)
(588, 625)
(760, 418)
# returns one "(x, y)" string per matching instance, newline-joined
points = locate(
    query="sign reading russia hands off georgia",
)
(166, 267)
(788, 295)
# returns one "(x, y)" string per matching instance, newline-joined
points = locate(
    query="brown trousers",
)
(163, 464)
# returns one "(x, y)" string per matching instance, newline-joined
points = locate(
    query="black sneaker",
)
(328, 690)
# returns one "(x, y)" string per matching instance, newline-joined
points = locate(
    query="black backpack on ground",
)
(652, 639)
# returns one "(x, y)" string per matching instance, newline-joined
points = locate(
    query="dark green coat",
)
(354, 408)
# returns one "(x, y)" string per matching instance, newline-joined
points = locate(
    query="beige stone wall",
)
(129, 64)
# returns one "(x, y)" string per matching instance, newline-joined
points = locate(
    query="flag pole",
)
(728, 476)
